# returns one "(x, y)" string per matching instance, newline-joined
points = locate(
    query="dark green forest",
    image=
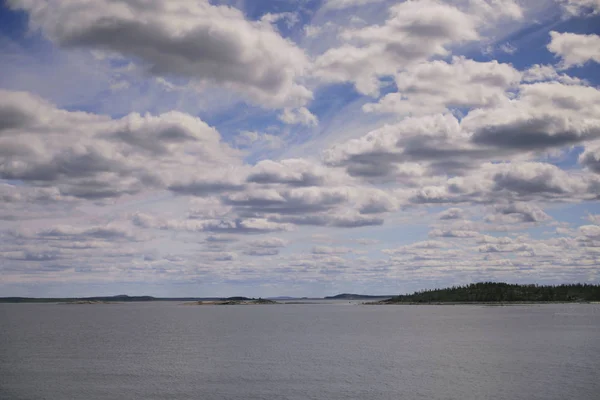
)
(503, 292)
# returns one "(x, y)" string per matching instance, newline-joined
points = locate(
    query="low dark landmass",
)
(231, 302)
(494, 293)
(113, 299)
(123, 298)
(351, 296)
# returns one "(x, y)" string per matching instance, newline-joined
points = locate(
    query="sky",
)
(297, 147)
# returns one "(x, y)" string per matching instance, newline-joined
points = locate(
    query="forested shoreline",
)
(484, 292)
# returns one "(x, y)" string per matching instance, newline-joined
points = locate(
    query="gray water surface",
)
(145, 351)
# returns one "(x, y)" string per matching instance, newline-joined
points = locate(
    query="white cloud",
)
(544, 115)
(451, 233)
(590, 231)
(226, 225)
(451, 213)
(195, 40)
(496, 9)
(415, 31)
(298, 116)
(542, 73)
(431, 87)
(207, 208)
(294, 172)
(518, 213)
(590, 158)
(575, 49)
(93, 156)
(516, 181)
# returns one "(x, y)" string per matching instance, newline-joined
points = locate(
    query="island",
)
(122, 298)
(501, 293)
(351, 296)
(231, 301)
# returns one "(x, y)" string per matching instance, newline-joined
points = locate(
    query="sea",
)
(332, 350)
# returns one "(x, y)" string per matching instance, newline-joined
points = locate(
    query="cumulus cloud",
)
(337, 220)
(518, 212)
(93, 156)
(230, 181)
(64, 248)
(544, 115)
(590, 158)
(286, 201)
(220, 226)
(415, 31)
(196, 40)
(451, 213)
(23, 195)
(378, 152)
(431, 87)
(575, 49)
(590, 231)
(516, 181)
(540, 117)
(207, 208)
(453, 233)
(293, 172)
(377, 202)
(542, 73)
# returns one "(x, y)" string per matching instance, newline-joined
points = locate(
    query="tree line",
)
(503, 292)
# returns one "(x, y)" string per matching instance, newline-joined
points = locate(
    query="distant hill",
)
(120, 298)
(502, 292)
(351, 296)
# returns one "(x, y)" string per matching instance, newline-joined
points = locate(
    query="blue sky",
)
(298, 147)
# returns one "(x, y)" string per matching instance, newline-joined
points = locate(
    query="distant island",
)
(351, 296)
(233, 301)
(498, 292)
(122, 298)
